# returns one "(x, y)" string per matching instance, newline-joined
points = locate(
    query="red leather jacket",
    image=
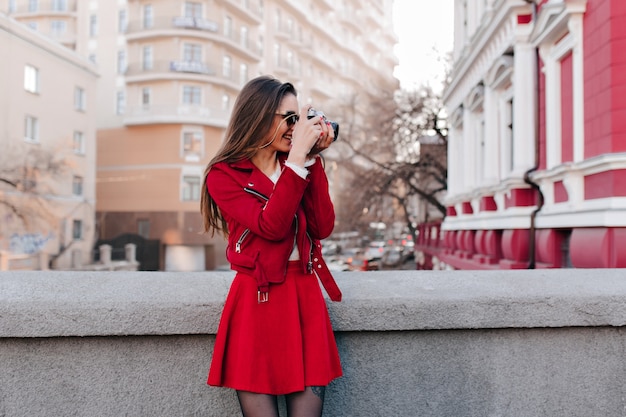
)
(266, 220)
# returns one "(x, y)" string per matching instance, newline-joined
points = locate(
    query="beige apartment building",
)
(47, 151)
(170, 71)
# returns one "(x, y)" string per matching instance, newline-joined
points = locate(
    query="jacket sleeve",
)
(270, 219)
(318, 207)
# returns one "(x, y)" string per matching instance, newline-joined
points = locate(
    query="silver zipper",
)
(240, 241)
(245, 232)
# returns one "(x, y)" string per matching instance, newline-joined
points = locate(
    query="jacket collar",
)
(257, 180)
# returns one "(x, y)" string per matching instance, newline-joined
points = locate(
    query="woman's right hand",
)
(305, 135)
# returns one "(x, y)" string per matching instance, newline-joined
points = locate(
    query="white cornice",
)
(552, 22)
(487, 45)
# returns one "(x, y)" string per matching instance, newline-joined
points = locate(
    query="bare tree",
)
(395, 158)
(24, 181)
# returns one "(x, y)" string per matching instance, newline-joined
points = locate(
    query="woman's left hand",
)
(326, 138)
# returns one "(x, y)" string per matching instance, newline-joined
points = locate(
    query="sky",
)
(425, 34)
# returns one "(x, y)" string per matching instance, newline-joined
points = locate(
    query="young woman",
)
(266, 190)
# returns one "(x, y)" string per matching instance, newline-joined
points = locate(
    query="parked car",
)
(392, 256)
(358, 261)
(375, 250)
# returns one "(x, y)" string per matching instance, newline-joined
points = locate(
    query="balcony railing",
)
(191, 66)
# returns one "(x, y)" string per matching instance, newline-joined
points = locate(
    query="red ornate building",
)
(537, 140)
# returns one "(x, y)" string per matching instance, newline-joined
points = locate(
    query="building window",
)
(191, 188)
(33, 5)
(192, 52)
(228, 27)
(32, 25)
(193, 9)
(80, 99)
(227, 66)
(146, 97)
(11, 8)
(79, 143)
(277, 54)
(92, 58)
(58, 27)
(143, 228)
(192, 94)
(277, 19)
(244, 36)
(31, 129)
(31, 79)
(148, 16)
(59, 5)
(148, 58)
(225, 102)
(192, 144)
(121, 62)
(93, 25)
(77, 229)
(122, 21)
(243, 73)
(77, 185)
(120, 103)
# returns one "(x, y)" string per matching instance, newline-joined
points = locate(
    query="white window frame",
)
(122, 21)
(557, 33)
(193, 9)
(80, 99)
(31, 129)
(192, 52)
(228, 27)
(59, 5)
(147, 57)
(79, 142)
(190, 187)
(77, 229)
(122, 64)
(31, 79)
(192, 144)
(77, 185)
(147, 16)
(227, 66)
(120, 102)
(93, 25)
(192, 95)
(58, 27)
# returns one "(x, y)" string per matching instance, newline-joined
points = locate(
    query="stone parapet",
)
(447, 343)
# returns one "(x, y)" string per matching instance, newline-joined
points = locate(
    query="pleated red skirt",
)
(277, 347)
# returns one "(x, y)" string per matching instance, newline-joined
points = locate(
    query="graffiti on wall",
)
(28, 243)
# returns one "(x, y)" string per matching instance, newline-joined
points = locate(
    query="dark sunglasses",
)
(290, 118)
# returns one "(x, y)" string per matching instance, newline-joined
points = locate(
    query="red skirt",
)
(277, 347)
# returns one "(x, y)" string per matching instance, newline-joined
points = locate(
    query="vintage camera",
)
(313, 113)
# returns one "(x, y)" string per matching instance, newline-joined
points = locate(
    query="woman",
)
(266, 190)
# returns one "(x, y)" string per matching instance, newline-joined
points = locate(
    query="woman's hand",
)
(309, 137)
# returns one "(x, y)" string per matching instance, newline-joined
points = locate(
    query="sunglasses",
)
(290, 118)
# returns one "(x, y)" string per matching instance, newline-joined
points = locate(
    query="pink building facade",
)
(537, 144)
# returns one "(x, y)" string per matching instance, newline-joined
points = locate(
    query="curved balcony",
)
(245, 9)
(176, 113)
(43, 9)
(168, 70)
(172, 23)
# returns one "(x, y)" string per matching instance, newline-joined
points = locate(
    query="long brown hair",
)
(249, 125)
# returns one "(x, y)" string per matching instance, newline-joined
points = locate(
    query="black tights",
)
(307, 403)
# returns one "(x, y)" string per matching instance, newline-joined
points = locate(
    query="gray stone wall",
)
(412, 343)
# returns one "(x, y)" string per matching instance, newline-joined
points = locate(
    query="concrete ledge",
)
(412, 343)
(44, 304)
